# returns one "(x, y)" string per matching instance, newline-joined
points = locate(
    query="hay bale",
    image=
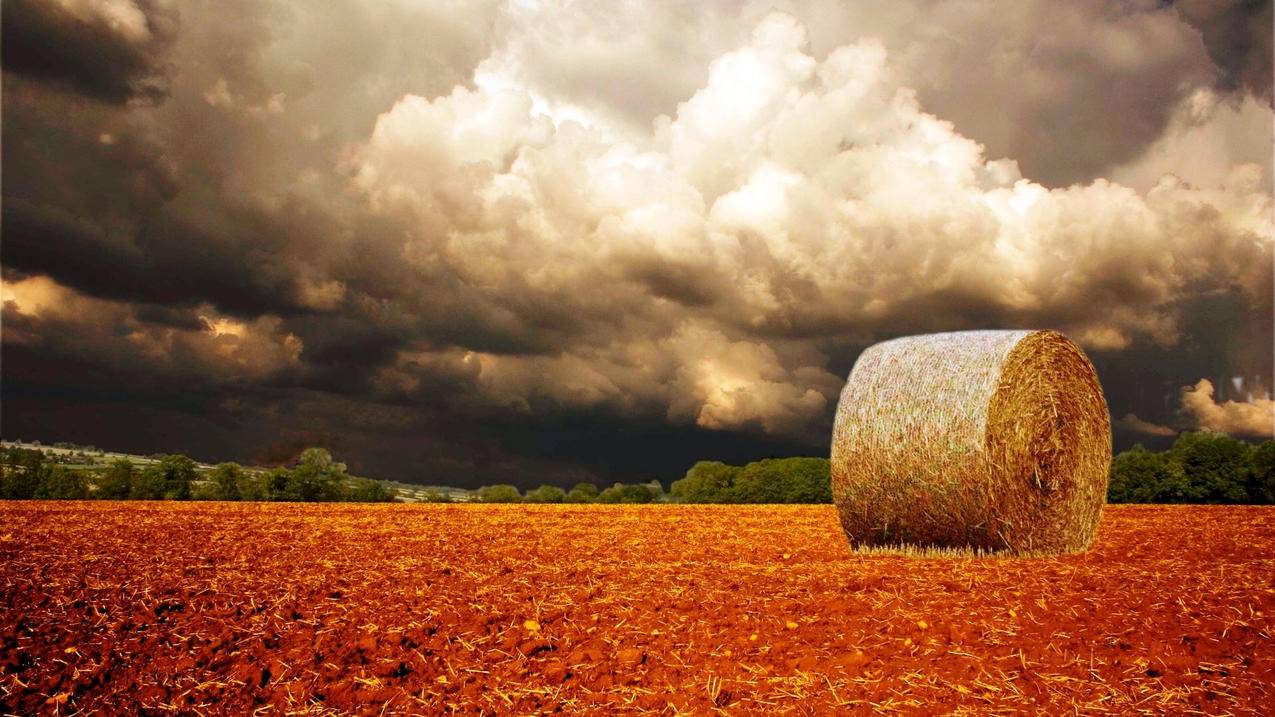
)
(991, 440)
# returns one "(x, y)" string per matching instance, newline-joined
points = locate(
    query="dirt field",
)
(211, 608)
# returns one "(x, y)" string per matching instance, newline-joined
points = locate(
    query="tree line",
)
(316, 477)
(774, 480)
(1200, 467)
(631, 493)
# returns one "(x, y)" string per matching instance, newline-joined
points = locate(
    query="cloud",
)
(1252, 418)
(1248, 419)
(1238, 38)
(1066, 89)
(510, 236)
(110, 50)
(1131, 422)
(815, 197)
(1208, 135)
(201, 349)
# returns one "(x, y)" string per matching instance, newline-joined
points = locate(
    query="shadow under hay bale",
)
(987, 440)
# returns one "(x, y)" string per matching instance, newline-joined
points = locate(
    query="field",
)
(391, 609)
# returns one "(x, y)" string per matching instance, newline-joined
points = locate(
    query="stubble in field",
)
(192, 607)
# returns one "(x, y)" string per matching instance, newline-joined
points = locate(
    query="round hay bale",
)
(990, 440)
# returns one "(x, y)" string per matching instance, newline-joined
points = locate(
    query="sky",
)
(535, 242)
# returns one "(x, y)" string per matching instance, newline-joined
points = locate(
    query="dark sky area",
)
(468, 243)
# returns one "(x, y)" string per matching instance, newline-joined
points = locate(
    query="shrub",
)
(148, 484)
(259, 486)
(205, 490)
(20, 474)
(116, 482)
(783, 480)
(1214, 465)
(1261, 479)
(1140, 476)
(225, 481)
(582, 493)
(627, 493)
(59, 482)
(706, 482)
(364, 490)
(498, 494)
(317, 478)
(176, 472)
(546, 494)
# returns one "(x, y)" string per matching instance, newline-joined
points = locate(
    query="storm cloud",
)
(486, 242)
(109, 50)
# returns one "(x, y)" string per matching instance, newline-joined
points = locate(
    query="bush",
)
(1140, 476)
(773, 480)
(705, 482)
(205, 490)
(546, 494)
(1215, 466)
(317, 478)
(582, 493)
(225, 482)
(1261, 479)
(148, 484)
(783, 480)
(364, 490)
(20, 473)
(626, 493)
(1199, 468)
(261, 486)
(498, 494)
(58, 482)
(116, 482)
(436, 496)
(275, 483)
(176, 473)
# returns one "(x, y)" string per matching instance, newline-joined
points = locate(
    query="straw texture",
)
(990, 440)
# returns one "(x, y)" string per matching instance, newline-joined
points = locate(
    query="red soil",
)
(222, 608)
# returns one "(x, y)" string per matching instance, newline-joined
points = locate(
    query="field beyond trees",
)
(178, 607)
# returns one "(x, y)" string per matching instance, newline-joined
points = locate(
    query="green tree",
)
(256, 486)
(582, 493)
(364, 490)
(627, 493)
(177, 473)
(1261, 478)
(57, 482)
(116, 482)
(783, 480)
(498, 494)
(1140, 476)
(205, 490)
(277, 482)
(20, 471)
(705, 482)
(148, 484)
(436, 496)
(1215, 466)
(546, 494)
(317, 477)
(225, 481)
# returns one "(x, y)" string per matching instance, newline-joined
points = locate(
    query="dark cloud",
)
(1237, 34)
(109, 51)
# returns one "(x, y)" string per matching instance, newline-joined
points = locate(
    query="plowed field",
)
(225, 608)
